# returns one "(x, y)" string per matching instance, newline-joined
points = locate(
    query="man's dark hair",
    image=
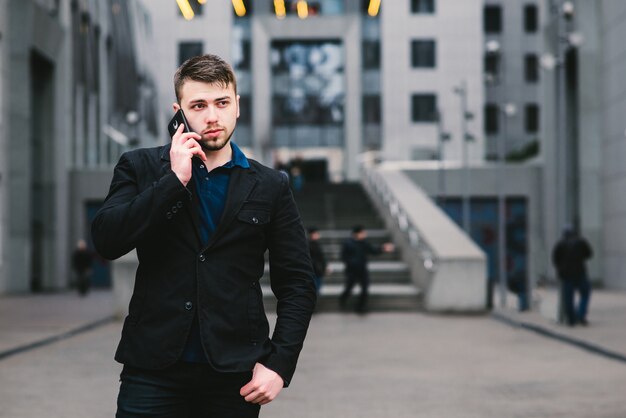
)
(313, 229)
(356, 229)
(207, 69)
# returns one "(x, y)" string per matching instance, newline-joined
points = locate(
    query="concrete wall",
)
(44, 130)
(486, 180)
(588, 143)
(3, 143)
(447, 266)
(457, 28)
(33, 116)
(612, 107)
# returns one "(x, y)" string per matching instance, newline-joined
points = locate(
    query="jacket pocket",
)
(251, 216)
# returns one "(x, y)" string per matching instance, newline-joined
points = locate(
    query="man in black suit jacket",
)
(201, 216)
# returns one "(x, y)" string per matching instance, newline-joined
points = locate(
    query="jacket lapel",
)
(241, 183)
(192, 210)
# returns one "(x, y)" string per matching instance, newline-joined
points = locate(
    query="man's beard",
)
(215, 144)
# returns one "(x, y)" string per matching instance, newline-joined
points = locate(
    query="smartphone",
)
(176, 121)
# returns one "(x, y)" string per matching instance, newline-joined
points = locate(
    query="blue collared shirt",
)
(212, 188)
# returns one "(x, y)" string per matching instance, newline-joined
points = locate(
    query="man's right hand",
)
(184, 147)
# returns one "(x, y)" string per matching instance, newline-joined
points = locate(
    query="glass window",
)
(531, 68)
(187, 50)
(492, 66)
(424, 108)
(371, 109)
(492, 19)
(532, 118)
(244, 60)
(371, 55)
(491, 119)
(422, 6)
(423, 53)
(308, 86)
(530, 18)
(245, 110)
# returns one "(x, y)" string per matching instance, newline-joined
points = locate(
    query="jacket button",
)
(174, 209)
(188, 305)
(179, 204)
(169, 215)
(255, 220)
(202, 257)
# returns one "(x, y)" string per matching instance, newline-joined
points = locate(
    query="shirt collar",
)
(238, 158)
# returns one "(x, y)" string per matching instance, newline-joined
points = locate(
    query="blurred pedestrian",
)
(354, 254)
(320, 266)
(82, 259)
(569, 256)
(296, 174)
(201, 215)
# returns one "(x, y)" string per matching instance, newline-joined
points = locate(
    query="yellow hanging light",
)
(373, 8)
(279, 9)
(185, 9)
(303, 9)
(240, 8)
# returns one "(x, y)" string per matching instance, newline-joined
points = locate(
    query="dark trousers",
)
(354, 276)
(184, 390)
(569, 289)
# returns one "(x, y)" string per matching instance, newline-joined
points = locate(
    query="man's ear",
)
(238, 106)
(176, 106)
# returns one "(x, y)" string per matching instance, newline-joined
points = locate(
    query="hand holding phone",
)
(177, 120)
(184, 147)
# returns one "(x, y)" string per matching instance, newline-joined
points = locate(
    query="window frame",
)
(489, 25)
(430, 55)
(415, 117)
(531, 18)
(431, 7)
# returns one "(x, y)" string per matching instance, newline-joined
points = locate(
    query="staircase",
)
(334, 209)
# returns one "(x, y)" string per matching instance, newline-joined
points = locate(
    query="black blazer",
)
(147, 208)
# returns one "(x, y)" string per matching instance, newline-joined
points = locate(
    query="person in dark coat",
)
(320, 266)
(201, 215)
(354, 254)
(82, 259)
(569, 257)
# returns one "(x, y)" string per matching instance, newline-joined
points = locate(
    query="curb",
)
(55, 338)
(583, 345)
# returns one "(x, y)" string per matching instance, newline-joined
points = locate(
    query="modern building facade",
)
(513, 45)
(83, 81)
(75, 91)
(334, 84)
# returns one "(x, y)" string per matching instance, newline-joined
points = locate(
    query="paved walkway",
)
(379, 365)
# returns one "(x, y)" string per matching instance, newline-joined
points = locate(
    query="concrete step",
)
(332, 240)
(345, 223)
(381, 272)
(382, 298)
(333, 253)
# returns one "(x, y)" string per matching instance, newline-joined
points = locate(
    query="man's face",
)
(360, 236)
(211, 111)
